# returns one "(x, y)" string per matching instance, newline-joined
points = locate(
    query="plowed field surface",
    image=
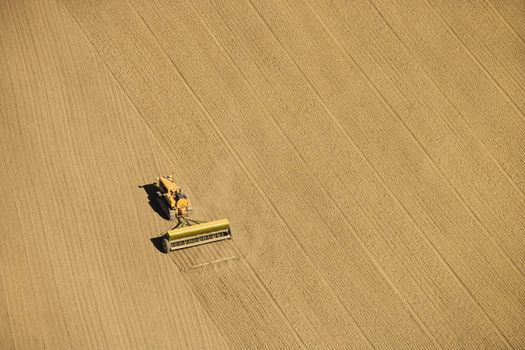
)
(370, 156)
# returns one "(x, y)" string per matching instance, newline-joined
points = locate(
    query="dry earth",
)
(369, 154)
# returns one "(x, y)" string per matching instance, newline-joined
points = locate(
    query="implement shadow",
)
(157, 243)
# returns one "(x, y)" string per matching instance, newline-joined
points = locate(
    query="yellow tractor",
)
(172, 201)
(187, 232)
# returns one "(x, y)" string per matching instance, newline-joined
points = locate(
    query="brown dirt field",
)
(368, 154)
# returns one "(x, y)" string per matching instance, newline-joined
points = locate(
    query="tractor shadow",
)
(151, 191)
